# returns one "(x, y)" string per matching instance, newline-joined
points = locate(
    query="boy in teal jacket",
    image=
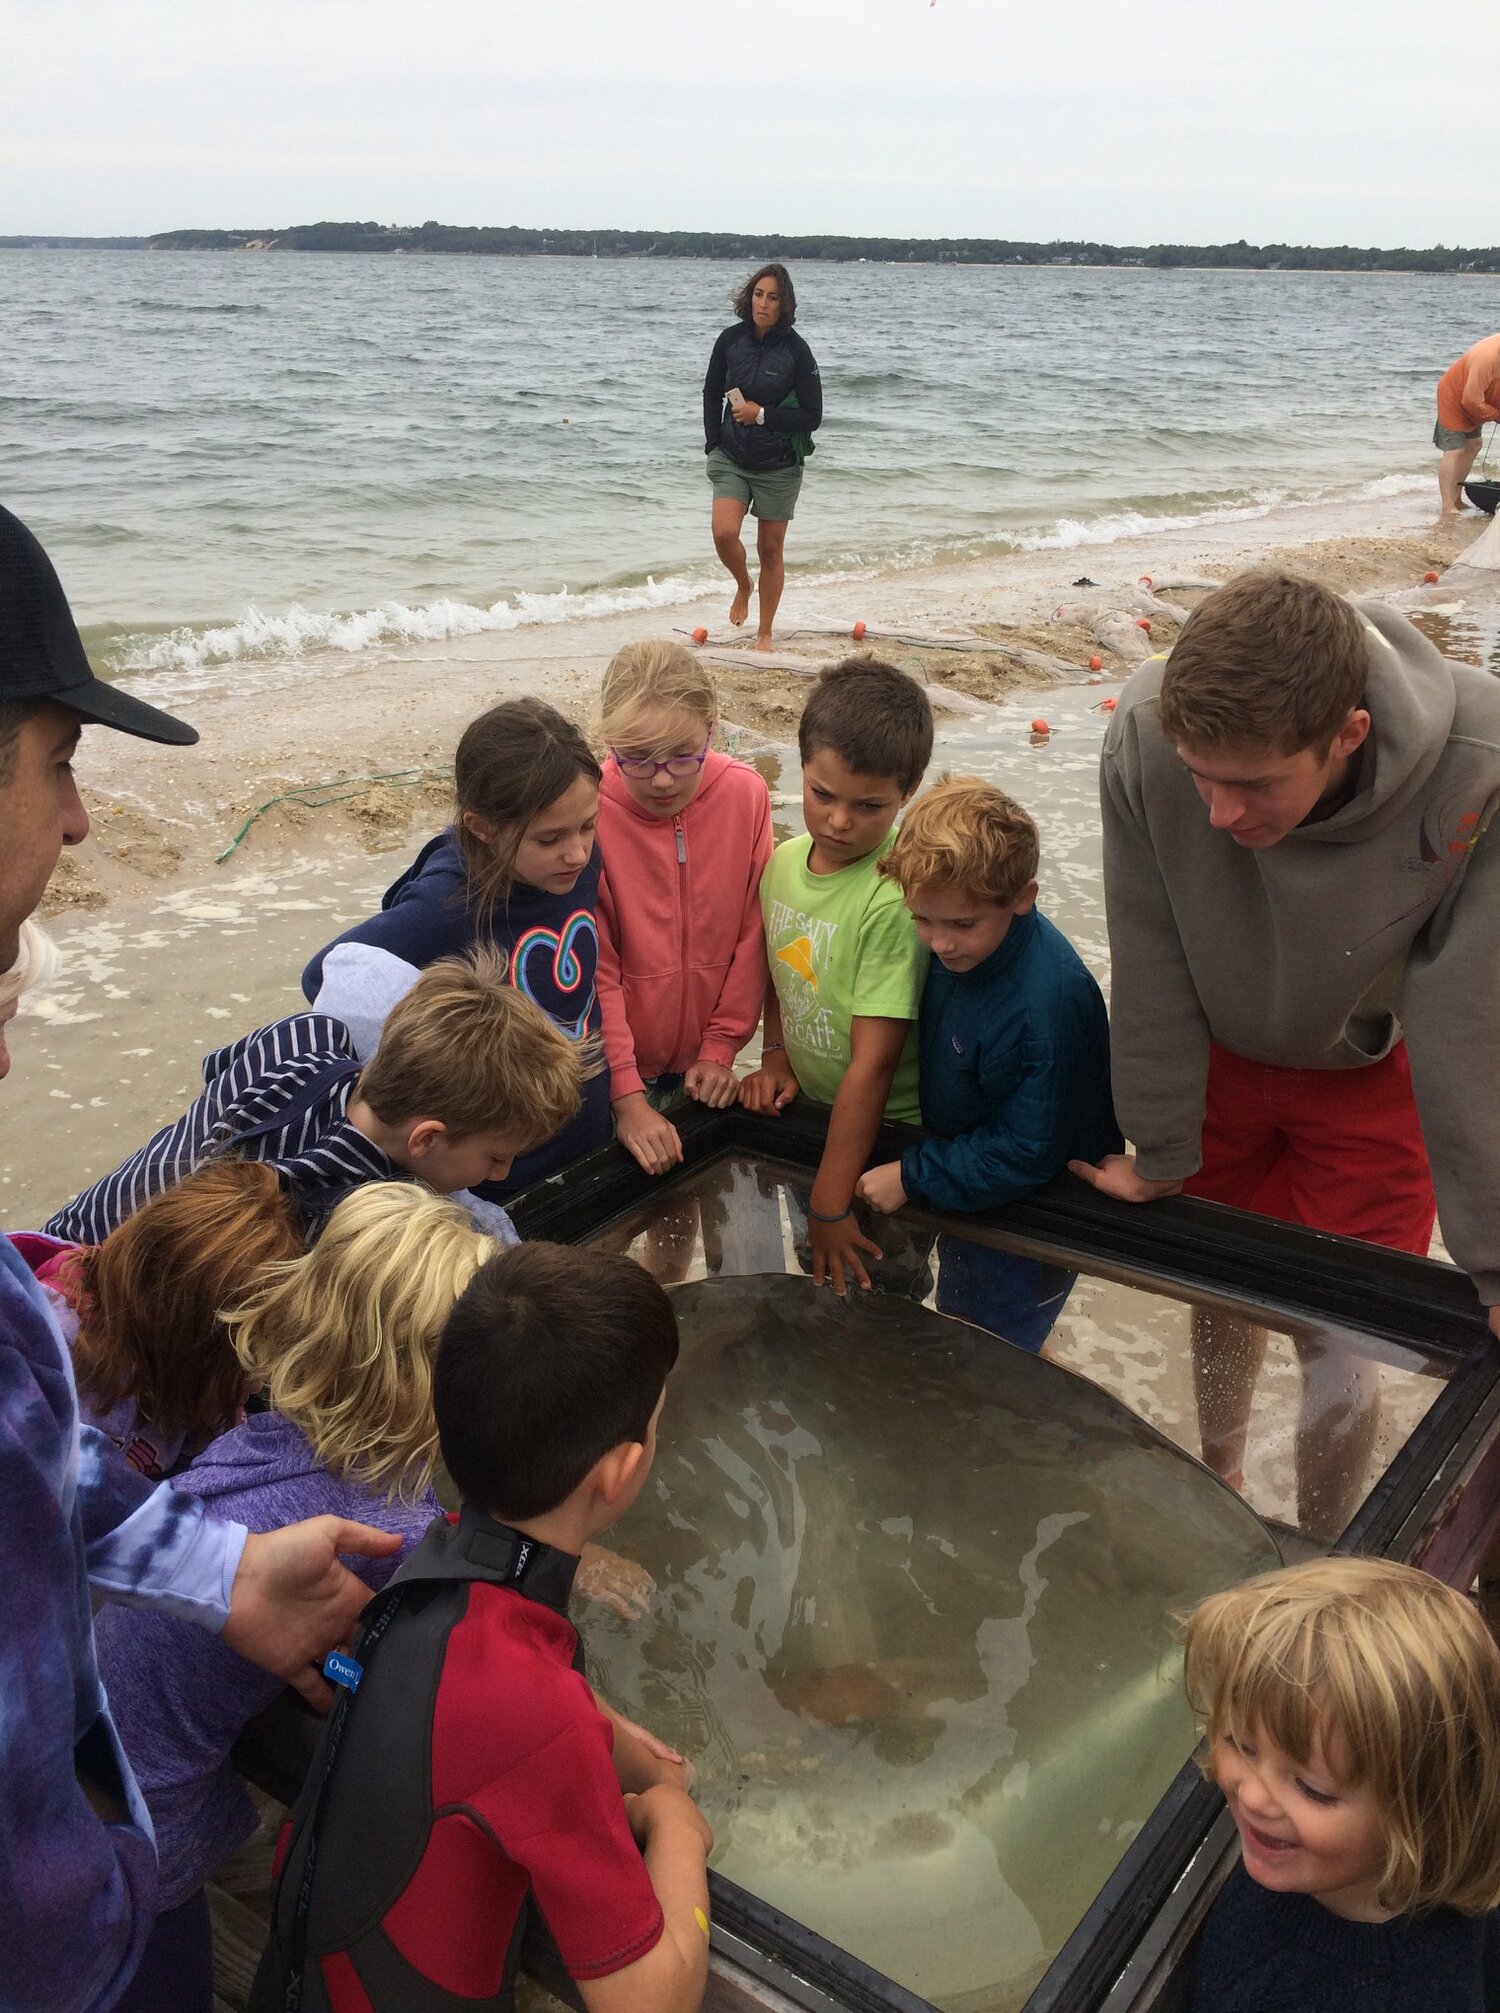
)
(1014, 1047)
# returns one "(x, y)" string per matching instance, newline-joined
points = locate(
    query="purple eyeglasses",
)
(641, 768)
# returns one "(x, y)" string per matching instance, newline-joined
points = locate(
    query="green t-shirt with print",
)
(841, 945)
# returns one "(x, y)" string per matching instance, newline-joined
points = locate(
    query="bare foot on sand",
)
(763, 642)
(739, 608)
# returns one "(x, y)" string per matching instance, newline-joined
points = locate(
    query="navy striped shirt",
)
(318, 1154)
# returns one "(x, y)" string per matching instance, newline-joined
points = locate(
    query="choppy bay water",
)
(239, 456)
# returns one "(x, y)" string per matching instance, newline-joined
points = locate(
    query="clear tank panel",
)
(914, 1587)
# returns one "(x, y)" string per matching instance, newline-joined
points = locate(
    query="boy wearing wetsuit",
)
(472, 1811)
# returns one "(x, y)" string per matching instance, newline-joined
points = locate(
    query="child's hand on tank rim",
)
(768, 1090)
(711, 1083)
(650, 1139)
(882, 1187)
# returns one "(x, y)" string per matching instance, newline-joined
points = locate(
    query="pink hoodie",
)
(682, 953)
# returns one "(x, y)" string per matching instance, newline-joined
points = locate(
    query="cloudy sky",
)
(1322, 121)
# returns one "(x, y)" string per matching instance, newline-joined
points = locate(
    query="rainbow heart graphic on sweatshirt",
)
(555, 969)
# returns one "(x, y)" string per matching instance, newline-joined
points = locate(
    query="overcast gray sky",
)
(1322, 121)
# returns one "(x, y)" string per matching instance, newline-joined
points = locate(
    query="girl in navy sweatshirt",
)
(1352, 1710)
(518, 869)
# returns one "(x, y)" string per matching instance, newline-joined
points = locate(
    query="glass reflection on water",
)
(913, 1624)
(1324, 1414)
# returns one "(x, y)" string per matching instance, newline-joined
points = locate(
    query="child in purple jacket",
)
(342, 1342)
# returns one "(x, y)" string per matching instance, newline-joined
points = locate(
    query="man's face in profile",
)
(40, 813)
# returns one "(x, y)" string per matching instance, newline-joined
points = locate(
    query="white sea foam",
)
(1068, 532)
(299, 631)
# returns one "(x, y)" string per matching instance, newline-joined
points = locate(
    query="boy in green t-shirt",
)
(846, 963)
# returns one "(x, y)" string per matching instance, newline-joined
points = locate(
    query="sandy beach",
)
(186, 917)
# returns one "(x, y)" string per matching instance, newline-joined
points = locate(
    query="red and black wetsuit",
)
(462, 1797)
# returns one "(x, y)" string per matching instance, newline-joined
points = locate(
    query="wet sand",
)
(170, 948)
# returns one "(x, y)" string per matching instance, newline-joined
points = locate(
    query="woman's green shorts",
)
(771, 494)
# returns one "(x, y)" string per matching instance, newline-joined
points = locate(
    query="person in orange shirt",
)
(1468, 394)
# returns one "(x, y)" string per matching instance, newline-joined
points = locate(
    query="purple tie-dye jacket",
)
(182, 1700)
(77, 1896)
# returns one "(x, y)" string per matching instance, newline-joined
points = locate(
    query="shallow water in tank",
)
(913, 1624)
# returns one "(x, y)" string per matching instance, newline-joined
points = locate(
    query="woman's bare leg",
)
(769, 540)
(729, 515)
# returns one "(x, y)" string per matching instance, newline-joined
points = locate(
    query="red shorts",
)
(1336, 1149)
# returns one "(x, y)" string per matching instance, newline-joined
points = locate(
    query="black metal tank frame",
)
(1191, 1245)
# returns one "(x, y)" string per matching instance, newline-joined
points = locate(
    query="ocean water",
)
(239, 456)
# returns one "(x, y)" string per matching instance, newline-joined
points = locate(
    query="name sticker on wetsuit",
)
(340, 1669)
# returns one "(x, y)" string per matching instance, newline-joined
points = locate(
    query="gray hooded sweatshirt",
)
(1323, 951)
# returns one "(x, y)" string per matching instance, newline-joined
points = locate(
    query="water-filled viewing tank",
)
(913, 1622)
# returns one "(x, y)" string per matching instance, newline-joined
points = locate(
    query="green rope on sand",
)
(314, 795)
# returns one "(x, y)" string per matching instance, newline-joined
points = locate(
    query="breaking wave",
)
(297, 632)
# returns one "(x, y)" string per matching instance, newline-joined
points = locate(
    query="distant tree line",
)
(56, 244)
(513, 239)
(516, 241)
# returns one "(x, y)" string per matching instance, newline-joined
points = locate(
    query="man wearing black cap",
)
(77, 1863)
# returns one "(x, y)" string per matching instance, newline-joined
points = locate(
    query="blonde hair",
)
(1396, 1681)
(653, 676)
(464, 1046)
(343, 1339)
(964, 834)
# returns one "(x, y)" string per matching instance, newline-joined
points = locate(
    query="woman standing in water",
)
(761, 400)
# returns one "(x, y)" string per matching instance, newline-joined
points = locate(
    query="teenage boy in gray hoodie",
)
(1303, 893)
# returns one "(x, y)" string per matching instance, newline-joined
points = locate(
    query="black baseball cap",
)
(42, 657)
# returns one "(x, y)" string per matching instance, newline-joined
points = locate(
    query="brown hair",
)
(466, 1047)
(553, 1356)
(343, 1338)
(511, 763)
(1395, 1681)
(742, 297)
(1269, 660)
(964, 834)
(149, 1297)
(873, 717)
(653, 676)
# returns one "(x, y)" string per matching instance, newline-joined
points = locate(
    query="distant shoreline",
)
(513, 241)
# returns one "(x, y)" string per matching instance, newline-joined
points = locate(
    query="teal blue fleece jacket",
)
(1014, 1072)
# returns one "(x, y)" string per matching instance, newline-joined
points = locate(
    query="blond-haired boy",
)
(468, 1073)
(1014, 1045)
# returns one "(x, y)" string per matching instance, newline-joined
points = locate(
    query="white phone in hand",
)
(735, 396)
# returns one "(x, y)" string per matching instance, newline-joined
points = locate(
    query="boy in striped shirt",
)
(468, 1074)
